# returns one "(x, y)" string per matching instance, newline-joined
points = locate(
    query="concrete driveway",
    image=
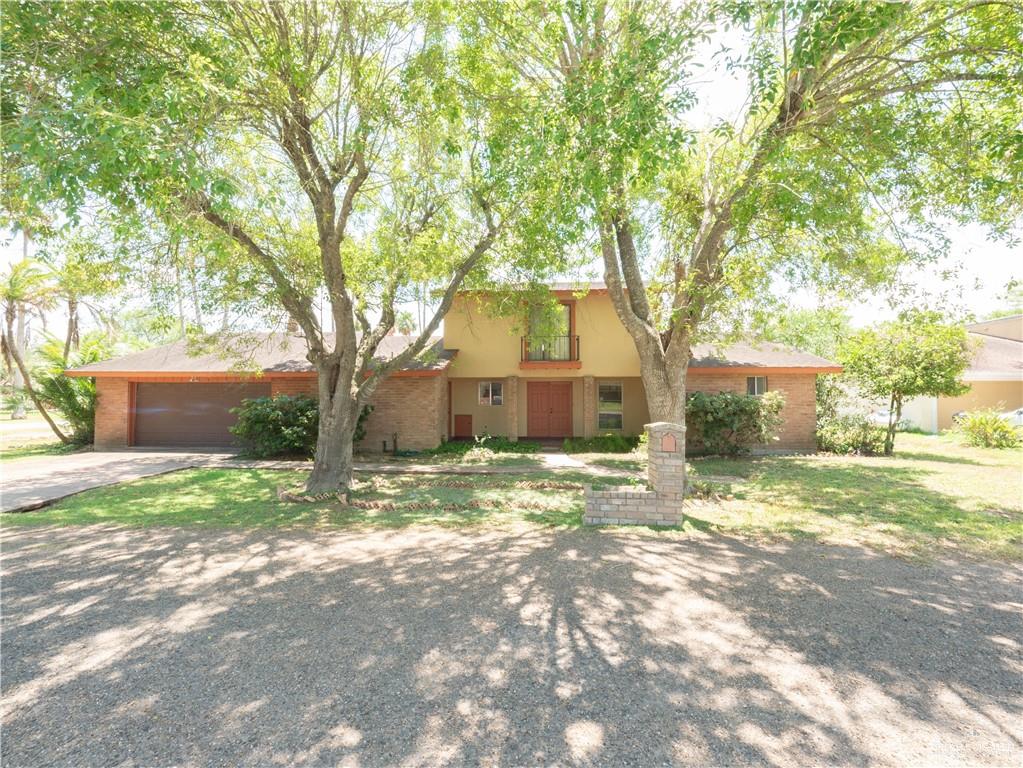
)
(498, 646)
(29, 483)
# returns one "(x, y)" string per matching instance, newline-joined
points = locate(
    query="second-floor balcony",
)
(550, 349)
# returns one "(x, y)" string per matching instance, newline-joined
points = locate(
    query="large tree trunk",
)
(20, 363)
(665, 394)
(18, 342)
(333, 461)
(72, 339)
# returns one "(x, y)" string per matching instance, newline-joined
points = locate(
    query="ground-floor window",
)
(491, 393)
(756, 385)
(609, 406)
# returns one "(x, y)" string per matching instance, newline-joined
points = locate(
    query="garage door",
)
(189, 415)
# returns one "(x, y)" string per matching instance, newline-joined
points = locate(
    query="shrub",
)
(479, 443)
(850, 435)
(829, 395)
(987, 429)
(730, 423)
(277, 426)
(609, 443)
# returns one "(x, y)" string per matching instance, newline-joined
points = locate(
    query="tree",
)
(405, 323)
(74, 398)
(344, 149)
(916, 356)
(820, 331)
(862, 120)
(84, 270)
(26, 287)
(1012, 302)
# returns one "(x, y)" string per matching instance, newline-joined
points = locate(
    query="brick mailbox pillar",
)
(661, 502)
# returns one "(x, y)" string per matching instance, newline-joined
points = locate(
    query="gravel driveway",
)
(498, 646)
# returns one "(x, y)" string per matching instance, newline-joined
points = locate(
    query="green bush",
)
(850, 435)
(494, 443)
(729, 423)
(609, 443)
(281, 426)
(987, 429)
(829, 395)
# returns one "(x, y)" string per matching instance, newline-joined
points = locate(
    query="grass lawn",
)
(30, 450)
(933, 493)
(248, 497)
(935, 496)
(28, 437)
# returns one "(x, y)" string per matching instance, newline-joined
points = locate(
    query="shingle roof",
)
(759, 355)
(274, 353)
(995, 358)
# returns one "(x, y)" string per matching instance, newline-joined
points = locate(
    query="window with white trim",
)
(756, 385)
(491, 393)
(609, 406)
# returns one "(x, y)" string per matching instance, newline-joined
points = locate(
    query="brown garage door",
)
(188, 415)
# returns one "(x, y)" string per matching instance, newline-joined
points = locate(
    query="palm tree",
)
(28, 287)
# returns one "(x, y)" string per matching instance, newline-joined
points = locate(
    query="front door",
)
(549, 408)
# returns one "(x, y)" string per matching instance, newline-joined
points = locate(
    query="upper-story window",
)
(551, 335)
(756, 385)
(491, 393)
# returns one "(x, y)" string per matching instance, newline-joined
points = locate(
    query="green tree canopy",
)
(341, 152)
(917, 355)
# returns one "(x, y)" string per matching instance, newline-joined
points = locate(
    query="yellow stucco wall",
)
(490, 345)
(491, 419)
(1002, 395)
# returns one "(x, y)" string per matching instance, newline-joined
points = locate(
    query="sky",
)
(970, 281)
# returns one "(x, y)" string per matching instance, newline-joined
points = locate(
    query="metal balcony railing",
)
(550, 348)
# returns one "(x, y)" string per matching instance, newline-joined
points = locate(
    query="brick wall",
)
(293, 387)
(511, 406)
(661, 502)
(798, 430)
(413, 406)
(112, 408)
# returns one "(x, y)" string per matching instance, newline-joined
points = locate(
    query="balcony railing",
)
(550, 348)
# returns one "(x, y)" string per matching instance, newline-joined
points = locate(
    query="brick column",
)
(666, 464)
(661, 502)
(511, 407)
(589, 406)
(113, 403)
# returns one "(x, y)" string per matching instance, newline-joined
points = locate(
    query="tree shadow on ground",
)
(506, 646)
(893, 497)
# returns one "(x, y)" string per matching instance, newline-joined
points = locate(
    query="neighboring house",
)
(486, 375)
(995, 376)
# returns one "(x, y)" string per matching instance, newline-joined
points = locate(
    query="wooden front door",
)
(549, 408)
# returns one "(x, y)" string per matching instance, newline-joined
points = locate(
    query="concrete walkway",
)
(31, 483)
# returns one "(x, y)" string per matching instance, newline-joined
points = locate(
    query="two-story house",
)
(487, 374)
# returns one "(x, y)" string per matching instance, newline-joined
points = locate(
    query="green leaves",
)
(914, 356)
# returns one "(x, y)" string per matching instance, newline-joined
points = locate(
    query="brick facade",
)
(413, 407)
(113, 406)
(416, 408)
(511, 402)
(799, 415)
(589, 406)
(658, 504)
(292, 387)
